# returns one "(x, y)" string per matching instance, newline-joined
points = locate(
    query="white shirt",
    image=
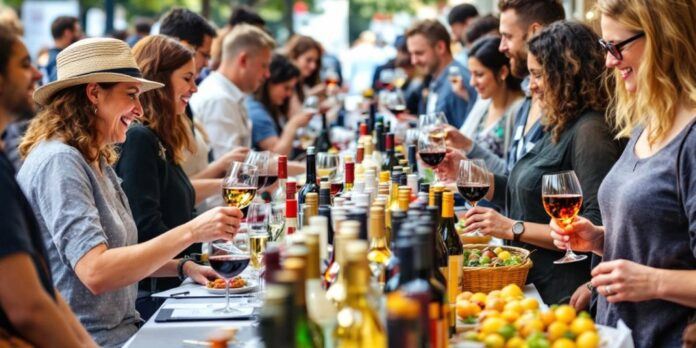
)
(219, 107)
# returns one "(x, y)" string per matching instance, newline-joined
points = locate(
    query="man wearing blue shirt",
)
(428, 44)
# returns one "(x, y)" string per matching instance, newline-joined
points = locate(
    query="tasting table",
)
(173, 334)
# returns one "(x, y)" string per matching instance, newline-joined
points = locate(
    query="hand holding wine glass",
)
(580, 234)
(562, 198)
(431, 148)
(216, 223)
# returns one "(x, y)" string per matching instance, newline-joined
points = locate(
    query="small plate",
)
(250, 286)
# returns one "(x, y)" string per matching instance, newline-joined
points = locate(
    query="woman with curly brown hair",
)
(566, 70)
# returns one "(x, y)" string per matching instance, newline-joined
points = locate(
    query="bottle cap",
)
(282, 167)
(291, 208)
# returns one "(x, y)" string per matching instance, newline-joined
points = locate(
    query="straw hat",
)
(94, 60)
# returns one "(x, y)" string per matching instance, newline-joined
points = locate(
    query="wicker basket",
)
(487, 279)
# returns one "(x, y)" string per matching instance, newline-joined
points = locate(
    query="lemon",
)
(479, 298)
(464, 296)
(532, 326)
(548, 317)
(494, 341)
(530, 304)
(498, 250)
(510, 316)
(581, 325)
(563, 343)
(565, 313)
(504, 255)
(556, 330)
(492, 325)
(495, 304)
(589, 339)
(512, 291)
(515, 342)
(514, 306)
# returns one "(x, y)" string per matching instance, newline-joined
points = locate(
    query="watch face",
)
(518, 227)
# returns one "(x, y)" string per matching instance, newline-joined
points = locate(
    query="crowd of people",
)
(112, 148)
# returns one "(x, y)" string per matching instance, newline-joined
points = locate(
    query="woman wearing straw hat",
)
(84, 216)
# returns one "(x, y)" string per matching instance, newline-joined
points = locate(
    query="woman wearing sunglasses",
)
(648, 200)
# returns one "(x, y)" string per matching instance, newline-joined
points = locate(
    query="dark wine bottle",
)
(455, 256)
(311, 182)
(323, 142)
(389, 161)
(412, 161)
(424, 270)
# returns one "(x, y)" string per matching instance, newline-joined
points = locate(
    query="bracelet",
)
(180, 267)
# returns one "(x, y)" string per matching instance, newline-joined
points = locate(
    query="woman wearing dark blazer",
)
(566, 69)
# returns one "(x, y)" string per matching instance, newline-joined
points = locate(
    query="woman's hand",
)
(581, 298)
(581, 233)
(214, 224)
(199, 274)
(622, 280)
(488, 222)
(460, 90)
(301, 119)
(448, 169)
(457, 139)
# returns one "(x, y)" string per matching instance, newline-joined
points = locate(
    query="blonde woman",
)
(83, 214)
(648, 199)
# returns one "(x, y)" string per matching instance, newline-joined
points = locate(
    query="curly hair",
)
(158, 56)
(573, 63)
(69, 116)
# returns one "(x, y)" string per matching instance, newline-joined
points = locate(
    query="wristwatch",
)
(180, 266)
(517, 230)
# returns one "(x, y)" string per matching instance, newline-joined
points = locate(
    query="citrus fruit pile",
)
(506, 319)
(489, 257)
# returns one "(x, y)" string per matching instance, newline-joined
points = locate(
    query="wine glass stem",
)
(227, 294)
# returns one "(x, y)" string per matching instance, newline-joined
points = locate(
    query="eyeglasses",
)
(615, 48)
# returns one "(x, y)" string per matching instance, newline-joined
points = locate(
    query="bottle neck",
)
(311, 169)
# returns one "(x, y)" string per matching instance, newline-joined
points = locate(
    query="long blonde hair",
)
(70, 118)
(666, 76)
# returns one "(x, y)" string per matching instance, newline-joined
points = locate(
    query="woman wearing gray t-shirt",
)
(83, 214)
(648, 200)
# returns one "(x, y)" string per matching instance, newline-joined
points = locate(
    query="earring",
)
(95, 109)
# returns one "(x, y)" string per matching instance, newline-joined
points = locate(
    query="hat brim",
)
(44, 93)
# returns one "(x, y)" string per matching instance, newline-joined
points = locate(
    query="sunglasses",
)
(615, 48)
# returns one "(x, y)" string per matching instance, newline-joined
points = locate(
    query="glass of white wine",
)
(327, 164)
(257, 219)
(240, 185)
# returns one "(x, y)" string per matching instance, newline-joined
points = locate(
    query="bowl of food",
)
(487, 268)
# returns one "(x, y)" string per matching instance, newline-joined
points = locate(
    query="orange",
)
(515, 342)
(512, 291)
(514, 306)
(510, 316)
(565, 313)
(563, 343)
(492, 325)
(548, 317)
(494, 341)
(589, 339)
(479, 298)
(532, 326)
(464, 295)
(581, 325)
(530, 304)
(495, 304)
(489, 313)
(466, 309)
(556, 330)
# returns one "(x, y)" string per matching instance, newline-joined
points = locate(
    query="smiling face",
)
(308, 63)
(423, 54)
(513, 42)
(483, 79)
(18, 82)
(536, 77)
(613, 32)
(183, 85)
(117, 107)
(280, 92)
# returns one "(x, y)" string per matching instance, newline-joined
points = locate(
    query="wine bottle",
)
(389, 160)
(455, 256)
(393, 202)
(358, 324)
(276, 324)
(349, 176)
(439, 247)
(311, 182)
(393, 265)
(320, 309)
(378, 150)
(336, 292)
(412, 161)
(307, 332)
(323, 142)
(279, 196)
(379, 253)
(290, 219)
(403, 323)
(320, 225)
(437, 307)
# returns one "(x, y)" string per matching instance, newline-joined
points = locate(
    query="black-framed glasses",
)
(615, 48)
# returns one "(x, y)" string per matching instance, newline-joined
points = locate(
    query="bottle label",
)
(454, 277)
(436, 325)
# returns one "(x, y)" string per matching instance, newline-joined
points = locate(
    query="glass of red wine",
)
(228, 261)
(562, 197)
(473, 181)
(261, 160)
(431, 146)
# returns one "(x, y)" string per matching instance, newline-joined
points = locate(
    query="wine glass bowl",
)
(473, 180)
(240, 185)
(431, 148)
(228, 261)
(562, 199)
(327, 164)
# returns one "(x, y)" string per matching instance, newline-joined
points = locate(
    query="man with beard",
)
(32, 312)
(428, 44)
(519, 21)
(65, 31)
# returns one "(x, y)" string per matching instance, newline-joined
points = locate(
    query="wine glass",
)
(239, 186)
(400, 78)
(386, 78)
(327, 164)
(261, 160)
(311, 104)
(276, 221)
(395, 102)
(473, 181)
(562, 197)
(432, 148)
(228, 261)
(258, 235)
(454, 75)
